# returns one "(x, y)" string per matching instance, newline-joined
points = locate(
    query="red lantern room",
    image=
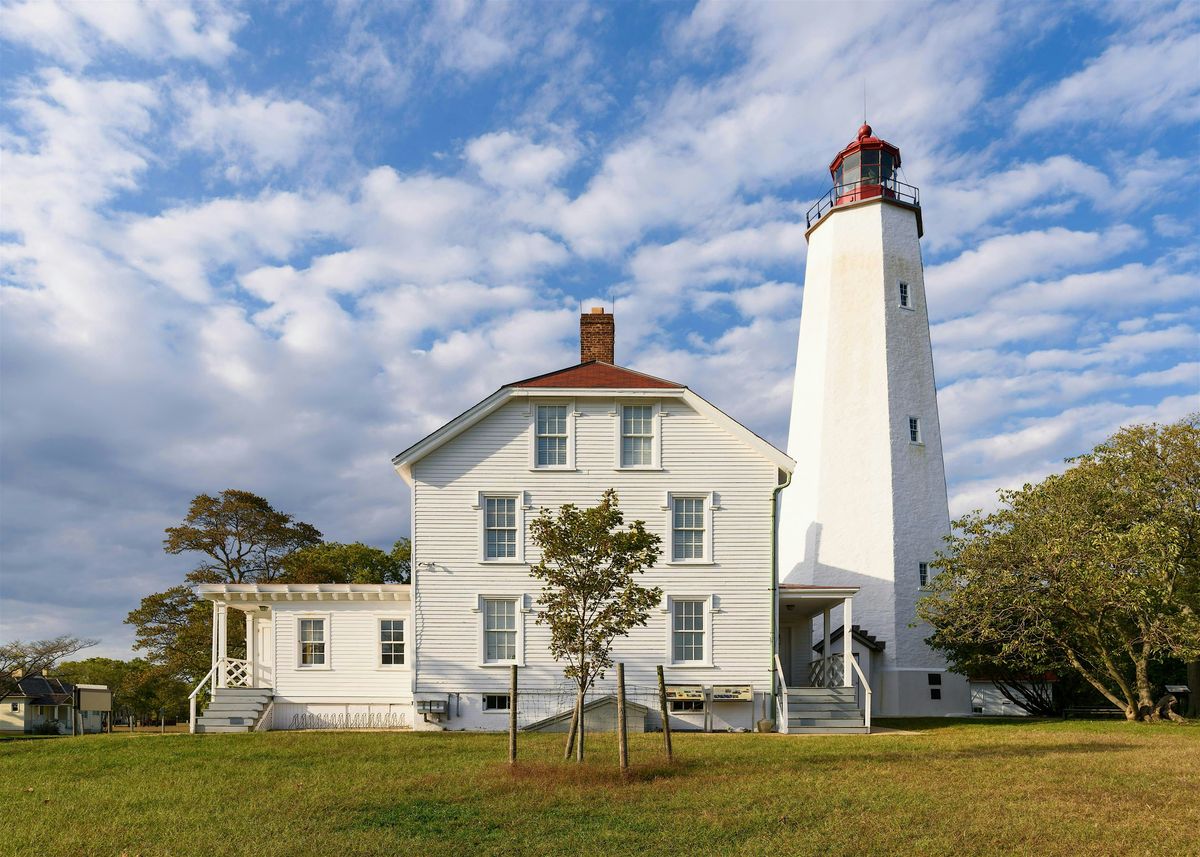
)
(865, 169)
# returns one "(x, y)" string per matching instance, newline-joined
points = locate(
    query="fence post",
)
(622, 735)
(662, 709)
(512, 716)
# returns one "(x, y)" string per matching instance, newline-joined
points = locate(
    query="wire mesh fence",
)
(550, 707)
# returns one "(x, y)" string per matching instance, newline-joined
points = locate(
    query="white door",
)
(264, 651)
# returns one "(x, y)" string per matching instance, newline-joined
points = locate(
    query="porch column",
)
(250, 648)
(222, 642)
(212, 684)
(847, 643)
(826, 653)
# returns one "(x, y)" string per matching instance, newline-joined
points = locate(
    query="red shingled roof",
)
(595, 374)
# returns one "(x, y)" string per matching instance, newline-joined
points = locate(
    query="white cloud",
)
(1129, 84)
(76, 33)
(251, 133)
(507, 160)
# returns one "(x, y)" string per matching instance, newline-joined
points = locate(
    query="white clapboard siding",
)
(354, 671)
(698, 455)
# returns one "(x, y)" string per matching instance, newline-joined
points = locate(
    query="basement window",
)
(495, 702)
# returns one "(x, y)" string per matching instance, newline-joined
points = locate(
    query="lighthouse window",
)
(914, 429)
(885, 166)
(870, 166)
(904, 298)
(850, 168)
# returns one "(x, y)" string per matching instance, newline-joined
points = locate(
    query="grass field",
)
(954, 787)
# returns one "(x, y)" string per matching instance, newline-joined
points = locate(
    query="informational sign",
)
(94, 697)
(693, 692)
(732, 693)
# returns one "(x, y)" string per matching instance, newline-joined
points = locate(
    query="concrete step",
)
(827, 713)
(823, 721)
(243, 713)
(244, 691)
(827, 730)
(209, 727)
(821, 691)
(240, 701)
(812, 702)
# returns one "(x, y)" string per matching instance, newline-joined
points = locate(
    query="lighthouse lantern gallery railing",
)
(856, 191)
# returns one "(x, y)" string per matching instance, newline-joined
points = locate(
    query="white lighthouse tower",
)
(867, 504)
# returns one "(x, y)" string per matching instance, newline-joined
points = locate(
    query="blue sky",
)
(267, 246)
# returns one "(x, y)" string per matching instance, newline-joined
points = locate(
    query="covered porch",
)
(815, 686)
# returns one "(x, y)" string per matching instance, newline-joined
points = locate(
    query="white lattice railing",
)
(826, 672)
(237, 673)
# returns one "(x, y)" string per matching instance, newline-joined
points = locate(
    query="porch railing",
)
(826, 672)
(227, 672)
(781, 697)
(866, 693)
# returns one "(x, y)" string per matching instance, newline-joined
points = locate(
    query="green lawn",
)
(956, 787)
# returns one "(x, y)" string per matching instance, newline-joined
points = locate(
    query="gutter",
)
(775, 581)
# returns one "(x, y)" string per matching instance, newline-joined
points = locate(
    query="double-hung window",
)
(914, 430)
(500, 527)
(687, 631)
(313, 651)
(500, 630)
(637, 435)
(687, 529)
(551, 436)
(923, 574)
(391, 642)
(905, 296)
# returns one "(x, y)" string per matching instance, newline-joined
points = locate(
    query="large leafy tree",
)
(240, 536)
(19, 658)
(589, 564)
(333, 562)
(1097, 568)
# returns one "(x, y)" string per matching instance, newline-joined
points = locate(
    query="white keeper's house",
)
(771, 561)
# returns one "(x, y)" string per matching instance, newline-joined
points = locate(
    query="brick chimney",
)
(597, 332)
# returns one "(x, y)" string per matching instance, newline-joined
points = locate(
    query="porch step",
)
(794, 722)
(234, 709)
(823, 710)
(828, 730)
(823, 713)
(821, 692)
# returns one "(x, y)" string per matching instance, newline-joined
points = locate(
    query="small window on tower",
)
(923, 573)
(914, 430)
(905, 300)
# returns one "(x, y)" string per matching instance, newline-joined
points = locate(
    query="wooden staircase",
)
(824, 711)
(235, 709)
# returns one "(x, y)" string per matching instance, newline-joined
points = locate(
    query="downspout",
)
(775, 580)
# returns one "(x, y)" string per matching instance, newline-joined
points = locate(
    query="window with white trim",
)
(550, 436)
(16, 706)
(391, 642)
(637, 435)
(312, 643)
(914, 430)
(687, 528)
(499, 630)
(905, 298)
(500, 527)
(687, 631)
(923, 573)
(496, 702)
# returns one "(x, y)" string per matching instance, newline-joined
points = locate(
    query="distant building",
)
(42, 700)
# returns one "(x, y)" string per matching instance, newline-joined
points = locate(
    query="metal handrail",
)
(781, 700)
(866, 693)
(192, 698)
(889, 188)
